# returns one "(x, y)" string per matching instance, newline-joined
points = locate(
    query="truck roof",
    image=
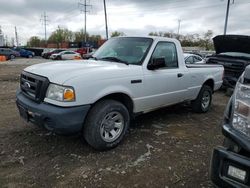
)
(152, 37)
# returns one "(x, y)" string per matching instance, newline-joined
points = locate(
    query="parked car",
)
(24, 53)
(230, 164)
(87, 56)
(48, 54)
(127, 76)
(45, 51)
(66, 55)
(84, 51)
(10, 54)
(193, 59)
(233, 52)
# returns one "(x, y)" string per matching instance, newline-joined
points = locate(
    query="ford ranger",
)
(125, 77)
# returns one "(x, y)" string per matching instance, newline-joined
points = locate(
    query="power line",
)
(44, 20)
(84, 6)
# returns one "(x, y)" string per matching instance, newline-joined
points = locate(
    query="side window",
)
(189, 60)
(197, 59)
(166, 51)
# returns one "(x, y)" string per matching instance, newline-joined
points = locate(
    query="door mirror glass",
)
(156, 63)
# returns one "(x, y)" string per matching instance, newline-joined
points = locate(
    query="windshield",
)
(131, 50)
(236, 54)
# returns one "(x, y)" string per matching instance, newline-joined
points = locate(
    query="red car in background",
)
(84, 50)
(47, 55)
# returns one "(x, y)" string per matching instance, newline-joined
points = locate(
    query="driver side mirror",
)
(156, 63)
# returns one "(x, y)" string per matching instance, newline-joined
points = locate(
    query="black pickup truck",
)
(233, 52)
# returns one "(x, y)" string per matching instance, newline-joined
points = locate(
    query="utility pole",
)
(179, 25)
(17, 43)
(44, 20)
(106, 22)
(6, 40)
(227, 13)
(85, 6)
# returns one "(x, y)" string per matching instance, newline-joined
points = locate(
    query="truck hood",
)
(61, 71)
(232, 43)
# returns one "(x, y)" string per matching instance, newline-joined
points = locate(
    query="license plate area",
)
(237, 173)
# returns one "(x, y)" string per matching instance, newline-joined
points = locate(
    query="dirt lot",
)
(170, 147)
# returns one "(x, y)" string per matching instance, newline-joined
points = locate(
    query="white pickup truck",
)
(124, 77)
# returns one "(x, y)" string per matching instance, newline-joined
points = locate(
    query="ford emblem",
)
(26, 84)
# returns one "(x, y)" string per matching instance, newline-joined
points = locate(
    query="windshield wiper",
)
(115, 59)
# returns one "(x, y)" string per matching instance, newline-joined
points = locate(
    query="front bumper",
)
(223, 158)
(61, 120)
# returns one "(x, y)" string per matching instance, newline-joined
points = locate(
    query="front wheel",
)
(203, 102)
(58, 58)
(106, 124)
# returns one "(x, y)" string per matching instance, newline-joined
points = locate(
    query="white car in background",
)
(193, 59)
(66, 55)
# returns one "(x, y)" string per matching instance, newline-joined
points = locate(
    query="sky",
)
(133, 17)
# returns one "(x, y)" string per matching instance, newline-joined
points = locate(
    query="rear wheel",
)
(12, 56)
(203, 102)
(106, 124)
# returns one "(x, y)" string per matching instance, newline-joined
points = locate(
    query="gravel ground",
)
(170, 147)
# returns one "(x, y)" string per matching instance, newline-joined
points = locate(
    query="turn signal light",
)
(69, 95)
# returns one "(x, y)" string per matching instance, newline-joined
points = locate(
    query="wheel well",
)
(210, 83)
(123, 98)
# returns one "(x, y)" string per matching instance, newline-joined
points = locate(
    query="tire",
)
(12, 56)
(99, 124)
(203, 102)
(30, 56)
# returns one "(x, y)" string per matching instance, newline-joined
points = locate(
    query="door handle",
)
(180, 75)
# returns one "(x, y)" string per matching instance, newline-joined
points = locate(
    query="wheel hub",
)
(112, 126)
(205, 99)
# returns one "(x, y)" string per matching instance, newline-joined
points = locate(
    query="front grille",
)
(34, 86)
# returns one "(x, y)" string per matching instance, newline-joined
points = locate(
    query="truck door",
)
(166, 85)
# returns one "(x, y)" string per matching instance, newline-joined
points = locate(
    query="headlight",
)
(60, 93)
(241, 116)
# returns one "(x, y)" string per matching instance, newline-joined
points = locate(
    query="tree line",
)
(61, 35)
